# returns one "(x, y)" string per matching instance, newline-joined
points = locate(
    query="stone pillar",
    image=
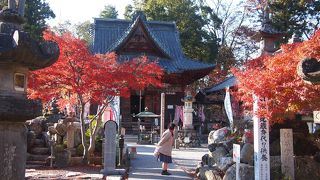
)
(287, 159)
(70, 135)
(13, 148)
(109, 150)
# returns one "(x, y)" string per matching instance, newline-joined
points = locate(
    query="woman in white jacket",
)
(165, 148)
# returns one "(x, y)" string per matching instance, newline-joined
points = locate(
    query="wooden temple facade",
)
(158, 41)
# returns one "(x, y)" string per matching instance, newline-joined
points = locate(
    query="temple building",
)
(158, 41)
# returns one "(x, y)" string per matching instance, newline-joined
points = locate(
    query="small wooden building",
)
(158, 41)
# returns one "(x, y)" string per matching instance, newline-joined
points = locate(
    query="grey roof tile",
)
(229, 82)
(110, 33)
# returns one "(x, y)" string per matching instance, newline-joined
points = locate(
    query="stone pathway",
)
(77, 172)
(145, 166)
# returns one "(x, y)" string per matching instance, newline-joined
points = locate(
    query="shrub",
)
(79, 150)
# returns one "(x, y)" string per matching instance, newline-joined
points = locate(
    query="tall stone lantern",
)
(19, 54)
(187, 111)
(188, 137)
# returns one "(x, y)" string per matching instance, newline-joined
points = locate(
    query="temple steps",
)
(38, 155)
(39, 143)
(40, 150)
(34, 157)
(36, 164)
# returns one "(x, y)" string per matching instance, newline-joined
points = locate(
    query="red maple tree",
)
(79, 77)
(275, 79)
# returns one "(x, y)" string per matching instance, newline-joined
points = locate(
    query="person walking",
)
(164, 147)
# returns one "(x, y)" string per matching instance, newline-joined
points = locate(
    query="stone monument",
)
(109, 150)
(287, 156)
(18, 55)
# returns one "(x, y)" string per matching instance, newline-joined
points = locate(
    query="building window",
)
(19, 82)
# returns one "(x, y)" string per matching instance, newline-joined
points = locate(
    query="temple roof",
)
(113, 34)
(229, 82)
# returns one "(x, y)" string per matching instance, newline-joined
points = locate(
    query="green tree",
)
(289, 16)
(227, 20)
(36, 14)
(196, 42)
(84, 31)
(63, 27)
(2, 4)
(128, 12)
(296, 16)
(109, 11)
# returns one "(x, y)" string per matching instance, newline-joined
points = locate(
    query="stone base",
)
(108, 172)
(13, 150)
(188, 138)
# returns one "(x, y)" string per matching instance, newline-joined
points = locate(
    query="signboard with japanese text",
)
(287, 160)
(261, 145)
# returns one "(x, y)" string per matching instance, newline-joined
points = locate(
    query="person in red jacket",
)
(165, 146)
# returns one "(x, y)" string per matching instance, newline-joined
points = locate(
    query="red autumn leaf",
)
(275, 79)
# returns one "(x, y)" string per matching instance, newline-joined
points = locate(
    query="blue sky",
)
(82, 10)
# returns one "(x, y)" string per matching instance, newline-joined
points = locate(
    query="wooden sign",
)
(316, 116)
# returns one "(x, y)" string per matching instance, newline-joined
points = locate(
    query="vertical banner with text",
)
(162, 115)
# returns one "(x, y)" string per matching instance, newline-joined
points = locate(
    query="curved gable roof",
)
(113, 34)
(110, 34)
(131, 29)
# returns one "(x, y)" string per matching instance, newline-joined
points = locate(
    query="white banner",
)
(228, 108)
(115, 106)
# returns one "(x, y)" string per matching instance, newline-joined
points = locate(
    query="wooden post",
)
(287, 160)
(236, 158)
(261, 144)
(163, 105)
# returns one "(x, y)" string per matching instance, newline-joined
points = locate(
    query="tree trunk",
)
(83, 136)
(92, 144)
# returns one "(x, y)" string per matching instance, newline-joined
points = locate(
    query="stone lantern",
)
(188, 137)
(18, 55)
(187, 111)
(269, 36)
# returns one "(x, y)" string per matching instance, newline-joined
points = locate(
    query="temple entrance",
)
(137, 104)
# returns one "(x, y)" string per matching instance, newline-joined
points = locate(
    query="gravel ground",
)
(75, 172)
